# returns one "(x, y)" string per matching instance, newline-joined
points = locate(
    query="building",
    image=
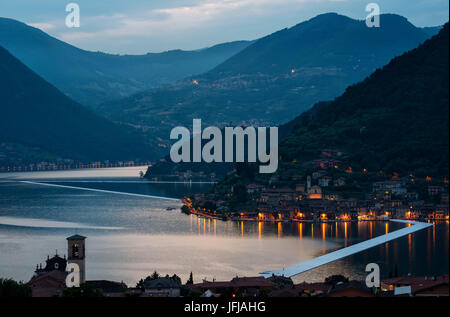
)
(300, 188)
(318, 174)
(331, 153)
(396, 187)
(245, 286)
(315, 192)
(302, 290)
(254, 188)
(162, 287)
(339, 182)
(48, 284)
(325, 181)
(55, 263)
(77, 253)
(275, 196)
(109, 288)
(417, 285)
(351, 289)
(435, 190)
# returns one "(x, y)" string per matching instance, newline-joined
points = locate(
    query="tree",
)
(155, 275)
(176, 278)
(334, 279)
(11, 288)
(190, 281)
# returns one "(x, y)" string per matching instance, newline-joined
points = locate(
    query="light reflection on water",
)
(154, 238)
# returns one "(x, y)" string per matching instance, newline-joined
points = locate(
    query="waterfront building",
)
(315, 192)
(417, 285)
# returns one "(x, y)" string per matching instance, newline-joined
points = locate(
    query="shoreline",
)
(206, 216)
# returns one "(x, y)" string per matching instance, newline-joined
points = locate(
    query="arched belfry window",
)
(75, 250)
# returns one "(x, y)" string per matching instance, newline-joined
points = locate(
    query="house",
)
(417, 285)
(325, 181)
(297, 177)
(435, 190)
(48, 284)
(315, 192)
(302, 290)
(247, 286)
(49, 281)
(339, 182)
(274, 179)
(254, 188)
(351, 289)
(331, 196)
(109, 288)
(412, 196)
(162, 287)
(396, 187)
(318, 174)
(300, 188)
(331, 153)
(275, 196)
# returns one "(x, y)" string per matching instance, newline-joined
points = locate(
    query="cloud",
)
(164, 25)
(172, 20)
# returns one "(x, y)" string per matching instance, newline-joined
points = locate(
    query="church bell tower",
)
(76, 254)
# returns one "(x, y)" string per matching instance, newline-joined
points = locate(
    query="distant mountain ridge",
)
(95, 77)
(274, 79)
(330, 36)
(37, 121)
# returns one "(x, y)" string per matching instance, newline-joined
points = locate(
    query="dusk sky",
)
(141, 26)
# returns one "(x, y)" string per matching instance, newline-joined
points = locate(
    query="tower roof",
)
(76, 237)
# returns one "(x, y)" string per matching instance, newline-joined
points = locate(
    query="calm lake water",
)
(130, 236)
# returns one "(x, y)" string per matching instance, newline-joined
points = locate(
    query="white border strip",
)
(342, 253)
(101, 191)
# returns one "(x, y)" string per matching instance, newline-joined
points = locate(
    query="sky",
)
(142, 26)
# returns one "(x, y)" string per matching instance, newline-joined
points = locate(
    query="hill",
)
(38, 122)
(94, 77)
(393, 127)
(275, 78)
(396, 120)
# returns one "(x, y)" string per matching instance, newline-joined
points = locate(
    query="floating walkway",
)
(342, 253)
(101, 190)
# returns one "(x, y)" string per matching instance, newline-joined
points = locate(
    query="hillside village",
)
(325, 189)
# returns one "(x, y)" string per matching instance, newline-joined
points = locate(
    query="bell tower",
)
(76, 254)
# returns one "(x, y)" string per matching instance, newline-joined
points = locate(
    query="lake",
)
(129, 237)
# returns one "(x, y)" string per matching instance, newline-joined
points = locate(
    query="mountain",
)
(274, 79)
(328, 41)
(392, 125)
(38, 121)
(432, 30)
(396, 120)
(94, 77)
